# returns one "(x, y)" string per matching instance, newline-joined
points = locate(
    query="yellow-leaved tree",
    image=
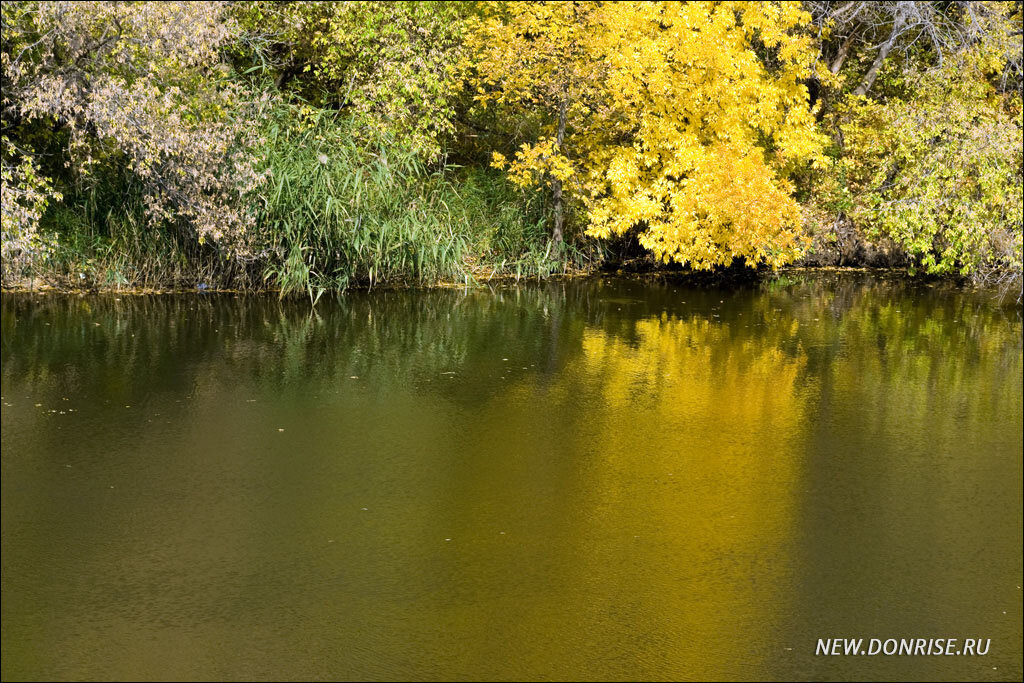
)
(680, 120)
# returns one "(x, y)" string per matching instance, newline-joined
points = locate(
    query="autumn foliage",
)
(706, 133)
(664, 118)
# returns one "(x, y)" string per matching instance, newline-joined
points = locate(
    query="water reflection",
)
(611, 479)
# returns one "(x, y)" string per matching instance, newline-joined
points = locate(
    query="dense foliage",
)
(306, 146)
(928, 129)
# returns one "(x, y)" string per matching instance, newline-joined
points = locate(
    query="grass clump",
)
(344, 207)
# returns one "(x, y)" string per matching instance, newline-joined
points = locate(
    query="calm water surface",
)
(605, 479)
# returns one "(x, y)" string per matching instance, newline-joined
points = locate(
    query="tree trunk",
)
(844, 52)
(883, 52)
(556, 184)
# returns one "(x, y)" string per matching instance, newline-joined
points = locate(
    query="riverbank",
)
(478, 279)
(262, 157)
(626, 271)
(493, 245)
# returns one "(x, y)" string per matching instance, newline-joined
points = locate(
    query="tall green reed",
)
(345, 205)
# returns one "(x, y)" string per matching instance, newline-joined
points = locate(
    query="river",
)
(602, 478)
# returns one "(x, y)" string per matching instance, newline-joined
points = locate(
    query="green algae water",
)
(603, 479)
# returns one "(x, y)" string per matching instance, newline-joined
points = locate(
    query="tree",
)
(872, 32)
(138, 86)
(680, 120)
(543, 60)
(940, 171)
(392, 64)
(929, 132)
